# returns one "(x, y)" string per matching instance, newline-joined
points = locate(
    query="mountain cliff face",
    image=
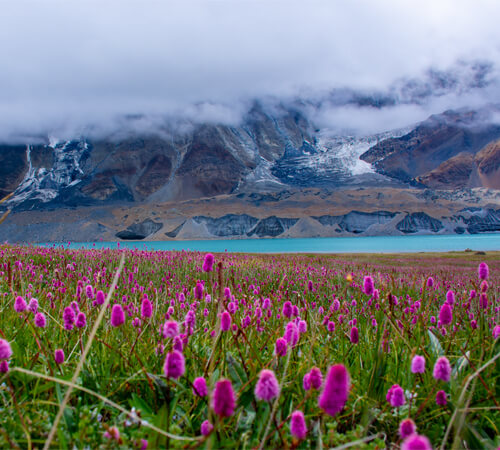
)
(433, 143)
(266, 152)
(270, 157)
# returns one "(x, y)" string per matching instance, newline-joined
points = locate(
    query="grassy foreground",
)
(172, 318)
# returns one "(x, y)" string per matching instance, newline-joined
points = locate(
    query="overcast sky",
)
(68, 64)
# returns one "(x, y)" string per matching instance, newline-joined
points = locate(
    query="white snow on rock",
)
(44, 184)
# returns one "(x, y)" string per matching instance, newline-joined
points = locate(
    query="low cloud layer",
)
(72, 66)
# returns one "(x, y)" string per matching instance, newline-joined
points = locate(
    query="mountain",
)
(438, 140)
(273, 174)
(265, 153)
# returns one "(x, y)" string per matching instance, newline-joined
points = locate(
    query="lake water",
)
(371, 244)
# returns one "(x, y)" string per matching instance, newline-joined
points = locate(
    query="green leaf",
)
(460, 365)
(68, 413)
(436, 348)
(235, 370)
(246, 398)
(139, 404)
(39, 388)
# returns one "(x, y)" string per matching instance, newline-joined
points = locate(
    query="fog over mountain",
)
(90, 67)
(248, 119)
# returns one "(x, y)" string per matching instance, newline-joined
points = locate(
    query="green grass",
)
(124, 366)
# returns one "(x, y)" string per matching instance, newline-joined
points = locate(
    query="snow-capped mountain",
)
(265, 153)
(44, 184)
(272, 152)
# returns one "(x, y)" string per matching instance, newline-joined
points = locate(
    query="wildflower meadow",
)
(143, 349)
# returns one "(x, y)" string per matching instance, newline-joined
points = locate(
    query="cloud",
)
(71, 66)
(469, 85)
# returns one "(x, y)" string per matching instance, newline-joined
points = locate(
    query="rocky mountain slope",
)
(268, 161)
(298, 213)
(452, 138)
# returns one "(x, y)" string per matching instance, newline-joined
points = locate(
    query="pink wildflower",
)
(146, 308)
(174, 366)
(4, 366)
(287, 309)
(40, 320)
(223, 400)
(178, 345)
(445, 314)
(298, 427)
(100, 298)
(306, 382)
(198, 291)
(81, 320)
(416, 442)
(5, 349)
(208, 262)
(396, 396)
(33, 305)
(200, 387)
(231, 307)
(406, 428)
(281, 347)
(69, 317)
(483, 301)
(316, 378)
(225, 321)
(483, 271)
(59, 356)
(418, 364)
(117, 315)
(20, 304)
(89, 291)
(291, 334)
(170, 329)
(267, 386)
(354, 335)
(442, 369)
(335, 391)
(368, 285)
(206, 428)
(441, 398)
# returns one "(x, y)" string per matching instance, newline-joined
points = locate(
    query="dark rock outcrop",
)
(356, 221)
(139, 231)
(173, 233)
(482, 221)
(228, 225)
(417, 222)
(272, 226)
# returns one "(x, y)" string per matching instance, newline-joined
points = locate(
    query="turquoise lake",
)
(371, 244)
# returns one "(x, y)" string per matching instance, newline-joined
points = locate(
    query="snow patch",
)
(348, 149)
(44, 184)
(53, 141)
